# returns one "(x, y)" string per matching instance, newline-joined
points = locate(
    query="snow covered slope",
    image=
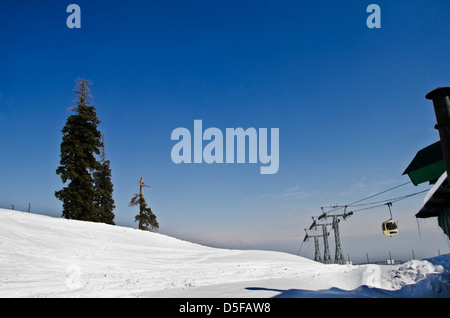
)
(41, 256)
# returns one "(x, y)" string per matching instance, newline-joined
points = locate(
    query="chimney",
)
(441, 102)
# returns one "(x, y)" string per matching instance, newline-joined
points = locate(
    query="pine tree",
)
(146, 218)
(80, 144)
(103, 200)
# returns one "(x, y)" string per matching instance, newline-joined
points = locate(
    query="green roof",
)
(428, 165)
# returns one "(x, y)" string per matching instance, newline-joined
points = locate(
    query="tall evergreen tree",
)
(80, 145)
(103, 200)
(146, 218)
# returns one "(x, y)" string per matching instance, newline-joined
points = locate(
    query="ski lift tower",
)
(326, 246)
(317, 257)
(339, 255)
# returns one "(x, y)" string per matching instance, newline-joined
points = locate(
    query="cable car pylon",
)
(326, 245)
(317, 257)
(339, 254)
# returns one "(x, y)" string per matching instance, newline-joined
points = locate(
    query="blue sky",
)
(348, 101)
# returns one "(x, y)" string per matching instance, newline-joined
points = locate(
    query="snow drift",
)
(42, 256)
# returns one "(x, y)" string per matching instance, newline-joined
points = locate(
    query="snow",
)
(42, 256)
(435, 187)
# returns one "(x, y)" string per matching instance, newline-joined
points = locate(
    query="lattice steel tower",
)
(339, 255)
(317, 256)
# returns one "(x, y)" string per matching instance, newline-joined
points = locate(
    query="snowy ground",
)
(41, 256)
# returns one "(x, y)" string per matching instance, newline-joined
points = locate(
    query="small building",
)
(432, 164)
(428, 166)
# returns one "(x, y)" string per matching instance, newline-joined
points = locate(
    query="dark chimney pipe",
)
(441, 102)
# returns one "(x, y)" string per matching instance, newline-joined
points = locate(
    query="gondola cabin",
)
(389, 228)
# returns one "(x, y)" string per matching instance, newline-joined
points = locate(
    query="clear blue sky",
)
(348, 101)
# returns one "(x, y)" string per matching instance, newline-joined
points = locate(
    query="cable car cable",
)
(401, 185)
(382, 202)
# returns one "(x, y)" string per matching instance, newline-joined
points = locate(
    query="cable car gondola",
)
(389, 227)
